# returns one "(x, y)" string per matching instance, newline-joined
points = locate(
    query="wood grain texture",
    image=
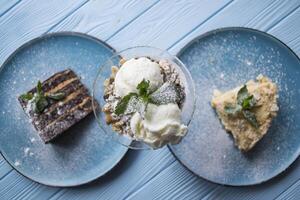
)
(5, 5)
(175, 182)
(288, 30)
(292, 193)
(268, 190)
(145, 173)
(15, 186)
(104, 18)
(256, 14)
(166, 22)
(29, 19)
(5, 168)
(136, 170)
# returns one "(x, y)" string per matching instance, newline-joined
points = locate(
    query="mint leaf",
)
(242, 94)
(122, 104)
(133, 105)
(26, 97)
(248, 102)
(232, 109)
(56, 96)
(250, 117)
(138, 102)
(245, 102)
(133, 102)
(40, 103)
(143, 88)
(39, 88)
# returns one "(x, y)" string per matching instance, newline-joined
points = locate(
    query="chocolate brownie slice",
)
(60, 115)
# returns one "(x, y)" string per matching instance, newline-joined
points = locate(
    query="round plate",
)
(84, 152)
(223, 59)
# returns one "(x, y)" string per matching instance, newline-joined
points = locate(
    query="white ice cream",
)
(160, 126)
(133, 71)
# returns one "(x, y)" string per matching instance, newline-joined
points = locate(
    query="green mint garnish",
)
(242, 94)
(143, 88)
(137, 102)
(249, 102)
(26, 97)
(41, 103)
(39, 90)
(250, 117)
(56, 96)
(122, 104)
(233, 109)
(143, 95)
(39, 99)
(245, 102)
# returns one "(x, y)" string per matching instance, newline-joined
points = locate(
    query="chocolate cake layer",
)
(60, 115)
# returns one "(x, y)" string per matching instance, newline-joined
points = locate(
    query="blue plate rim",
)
(215, 31)
(30, 42)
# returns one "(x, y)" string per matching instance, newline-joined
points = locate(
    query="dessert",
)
(160, 125)
(56, 104)
(143, 99)
(247, 111)
(133, 72)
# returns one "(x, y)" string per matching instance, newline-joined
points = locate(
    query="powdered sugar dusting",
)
(85, 149)
(223, 61)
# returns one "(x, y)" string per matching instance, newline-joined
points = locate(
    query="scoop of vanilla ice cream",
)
(161, 125)
(133, 71)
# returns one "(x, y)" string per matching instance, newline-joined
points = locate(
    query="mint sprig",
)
(245, 102)
(56, 96)
(143, 95)
(143, 87)
(40, 100)
(26, 96)
(122, 104)
(250, 117)
(137, 102)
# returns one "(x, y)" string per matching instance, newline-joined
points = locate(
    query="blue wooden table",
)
(168, 24)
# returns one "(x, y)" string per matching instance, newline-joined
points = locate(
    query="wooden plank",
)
(30, 19)
(99, 190)
(255, 14)
(15, 186)
(5, 168)
(268, 190)
(99, 18)
(5, 5)
(166, 22)
(263, 13)
(137, 169)
(292, 193)
(104, 18)
(288, 31)
(175, 182)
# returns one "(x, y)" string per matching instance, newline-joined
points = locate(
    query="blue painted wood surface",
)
(168, 24)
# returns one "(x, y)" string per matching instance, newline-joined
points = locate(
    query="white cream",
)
(161, 125)
(133, 71)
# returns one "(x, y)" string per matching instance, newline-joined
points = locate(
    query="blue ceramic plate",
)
(224, 59)
(84, 153)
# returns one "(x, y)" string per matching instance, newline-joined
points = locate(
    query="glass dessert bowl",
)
(145, 98)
